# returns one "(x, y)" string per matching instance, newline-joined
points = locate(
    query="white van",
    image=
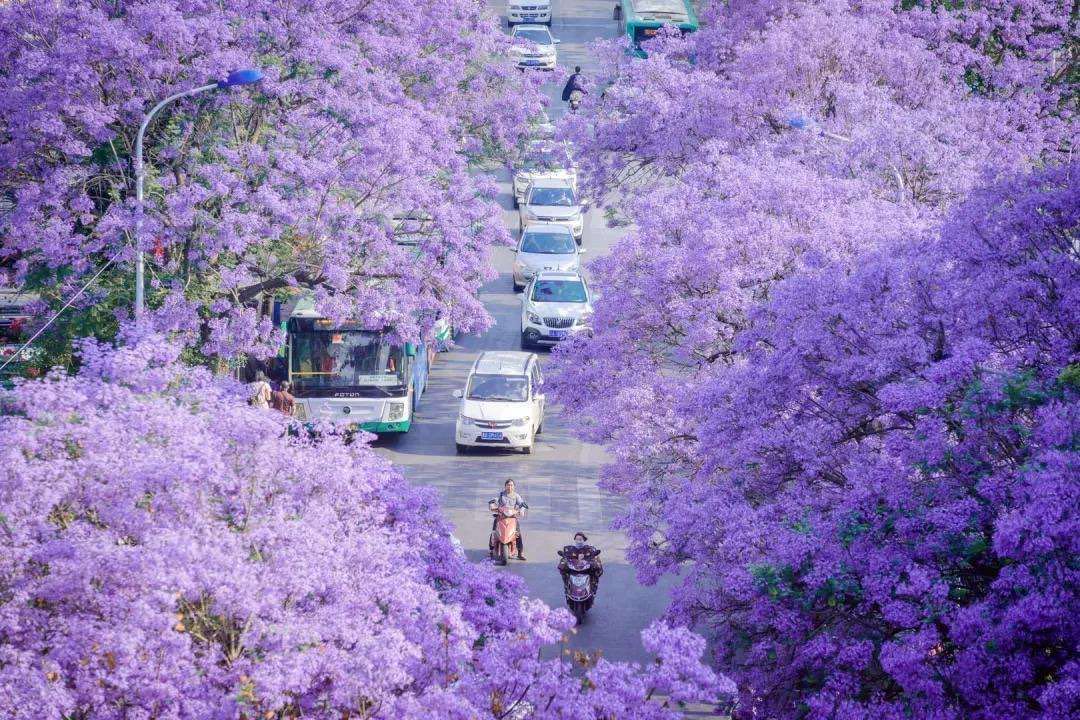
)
(502, 404)
(528, 11)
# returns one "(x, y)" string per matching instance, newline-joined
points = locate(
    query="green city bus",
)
(643, 18)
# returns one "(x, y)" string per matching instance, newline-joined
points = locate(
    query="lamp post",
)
(235, 78)
(807, 125)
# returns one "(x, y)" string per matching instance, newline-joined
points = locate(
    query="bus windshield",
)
(342, 362)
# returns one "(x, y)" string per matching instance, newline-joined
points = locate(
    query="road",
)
(559, 480)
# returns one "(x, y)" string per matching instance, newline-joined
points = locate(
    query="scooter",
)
(580, 580)
(502, 543)
(575, 100)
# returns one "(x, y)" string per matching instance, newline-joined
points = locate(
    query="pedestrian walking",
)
(260, 391)
(282, 399)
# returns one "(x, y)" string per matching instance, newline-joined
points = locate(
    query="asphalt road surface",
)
(559, 480)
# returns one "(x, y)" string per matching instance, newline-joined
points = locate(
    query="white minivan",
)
(528, 11)
(503, 402)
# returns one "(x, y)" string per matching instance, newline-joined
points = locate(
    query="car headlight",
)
(521, 422)
(397, 411)
(466, 420)
(533, 318)
(583, 320)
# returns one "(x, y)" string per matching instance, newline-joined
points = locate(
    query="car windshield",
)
(559, 291)
(540, 37)
(559, 196)
(511, 388)
(547, 243)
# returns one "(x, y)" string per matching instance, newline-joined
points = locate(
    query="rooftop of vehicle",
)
(548, 228)
(557, 275)
(552, 182)
(674, 10)
(502, 362)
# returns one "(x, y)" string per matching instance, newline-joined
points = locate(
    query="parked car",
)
(542, 159)
(528, 11)
(553, 200)
(534, 47)
(555, 306)
(545, 247)
(502, 404)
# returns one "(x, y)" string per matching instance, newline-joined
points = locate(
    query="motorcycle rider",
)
(509, 498)
(575, 83)
(581, 546)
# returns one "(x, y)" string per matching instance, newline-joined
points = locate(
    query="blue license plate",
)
(558, 334)
(531, 62)
(491, 436)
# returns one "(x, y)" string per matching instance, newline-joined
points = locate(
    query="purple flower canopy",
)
(365, 112)
(835, 361)
(170, 552)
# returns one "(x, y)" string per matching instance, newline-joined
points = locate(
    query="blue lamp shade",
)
(241, 77)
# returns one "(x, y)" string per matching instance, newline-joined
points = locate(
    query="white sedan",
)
(534, 47)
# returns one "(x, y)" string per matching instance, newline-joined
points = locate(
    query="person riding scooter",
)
(581, 570)
(582, 548)
(574, 90)
(508, 508)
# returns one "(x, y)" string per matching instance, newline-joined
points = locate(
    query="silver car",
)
(545, 247)
(554, 307)
(553, 200)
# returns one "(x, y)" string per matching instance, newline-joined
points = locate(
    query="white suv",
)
(503, 402)
(528, 11)
(534, 47)
(545, 247)
(553, 200)
(555, 305)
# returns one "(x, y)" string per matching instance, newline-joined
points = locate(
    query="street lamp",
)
(804, 124)
(234, 79)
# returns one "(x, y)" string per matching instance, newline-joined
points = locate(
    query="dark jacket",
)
(574, 83)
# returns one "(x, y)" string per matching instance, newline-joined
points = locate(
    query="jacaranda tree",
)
(167, 551)
(368, 111)
(810, 381)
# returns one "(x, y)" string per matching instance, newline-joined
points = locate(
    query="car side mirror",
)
(582, 251)
(458, 394)
(556, 40)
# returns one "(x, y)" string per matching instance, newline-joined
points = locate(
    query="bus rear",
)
(643, 19)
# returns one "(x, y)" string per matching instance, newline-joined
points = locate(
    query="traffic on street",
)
(558, 478)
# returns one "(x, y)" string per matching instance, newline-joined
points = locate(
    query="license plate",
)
(531, 62)
(530, 16)
(558, 334)
(491, 436)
